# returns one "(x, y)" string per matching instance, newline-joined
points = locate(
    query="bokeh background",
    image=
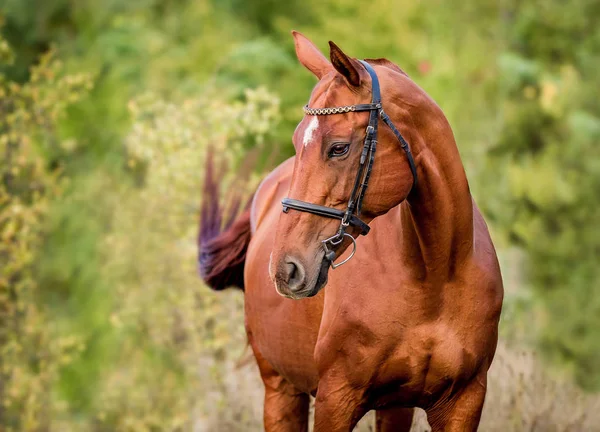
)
(107, 111)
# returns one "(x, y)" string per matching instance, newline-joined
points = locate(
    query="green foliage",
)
(547, 202)
(162, 318)
(31, 351)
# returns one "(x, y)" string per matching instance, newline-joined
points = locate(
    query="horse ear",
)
(345, 65)
(310, 56)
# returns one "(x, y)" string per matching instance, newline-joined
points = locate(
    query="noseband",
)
(350, 216)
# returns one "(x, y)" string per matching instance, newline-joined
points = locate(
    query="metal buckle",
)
(336, 240)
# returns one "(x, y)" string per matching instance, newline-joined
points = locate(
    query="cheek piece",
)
(350, 216)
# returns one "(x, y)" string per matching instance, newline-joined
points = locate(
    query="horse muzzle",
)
(294, 280)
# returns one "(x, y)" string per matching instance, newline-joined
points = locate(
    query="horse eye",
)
(339, 150)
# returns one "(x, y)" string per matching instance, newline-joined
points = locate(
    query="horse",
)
(412, 319)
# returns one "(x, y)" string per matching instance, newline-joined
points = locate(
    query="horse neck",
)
(437, 217)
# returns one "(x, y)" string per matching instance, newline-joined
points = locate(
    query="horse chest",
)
(395, 360)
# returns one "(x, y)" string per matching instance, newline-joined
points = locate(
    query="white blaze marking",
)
(310, 130)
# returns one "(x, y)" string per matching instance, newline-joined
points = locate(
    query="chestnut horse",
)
(412, 319)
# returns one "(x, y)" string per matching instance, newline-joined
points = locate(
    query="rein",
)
(350, 216)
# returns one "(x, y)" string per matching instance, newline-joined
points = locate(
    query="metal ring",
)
(335, 243)
(333, 265)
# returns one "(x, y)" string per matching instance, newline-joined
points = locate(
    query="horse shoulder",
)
(274, 185)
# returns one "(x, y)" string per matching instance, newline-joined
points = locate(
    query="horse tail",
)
(224, 234)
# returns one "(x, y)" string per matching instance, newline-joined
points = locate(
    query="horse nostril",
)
(294, 274)
(292, 270)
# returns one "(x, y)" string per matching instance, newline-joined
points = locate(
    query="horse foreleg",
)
(462, 412)
(285, 407)
(338, 407)
(396, 419)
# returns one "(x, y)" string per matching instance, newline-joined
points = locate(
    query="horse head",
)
(330, 151)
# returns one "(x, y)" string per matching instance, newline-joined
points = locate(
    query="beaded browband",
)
(341, 109)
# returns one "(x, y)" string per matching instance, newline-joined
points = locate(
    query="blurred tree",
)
(266, 14)
(547, 196)
(32, 351)
(165, 325)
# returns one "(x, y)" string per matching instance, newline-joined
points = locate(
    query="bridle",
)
(350, 216)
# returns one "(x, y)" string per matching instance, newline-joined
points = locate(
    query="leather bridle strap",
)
(403, 144)
(369, 147)
(328, 212)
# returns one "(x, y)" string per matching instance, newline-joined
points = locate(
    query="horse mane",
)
(385, 62)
